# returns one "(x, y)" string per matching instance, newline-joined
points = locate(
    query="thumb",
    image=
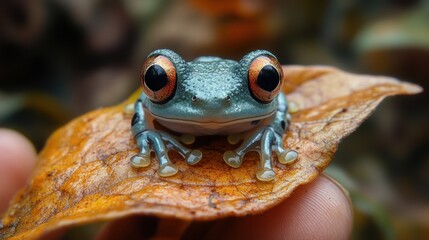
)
(17, 158)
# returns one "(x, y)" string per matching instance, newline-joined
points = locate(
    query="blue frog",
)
(212, 96)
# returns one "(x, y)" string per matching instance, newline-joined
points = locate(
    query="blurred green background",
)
(62, 58)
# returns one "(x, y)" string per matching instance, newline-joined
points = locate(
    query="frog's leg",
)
(284, 156)
(146, 139)
(142, 159)
(265, 171)
(235, 158)
(166, 167)
(266, 140)
(138, 128)
(280, 124)
(272, 142)
(192, 157)
(160, 143)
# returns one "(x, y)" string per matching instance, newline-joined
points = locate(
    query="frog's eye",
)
(265, 78)
(158, 79)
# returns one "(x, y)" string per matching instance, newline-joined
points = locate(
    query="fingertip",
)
(323, 209)
(17, 159)
(318, 210)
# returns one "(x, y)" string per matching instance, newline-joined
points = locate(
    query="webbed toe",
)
(265, 174)
(167, 170)
(288, 156)
(232, 159)
(140, 160)
(193, 157)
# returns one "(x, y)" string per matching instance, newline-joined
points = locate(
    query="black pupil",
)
(155, 78)
(268, 78)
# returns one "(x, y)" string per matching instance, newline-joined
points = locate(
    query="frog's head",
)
(210, 89)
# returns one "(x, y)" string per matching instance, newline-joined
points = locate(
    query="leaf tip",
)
(413, 88)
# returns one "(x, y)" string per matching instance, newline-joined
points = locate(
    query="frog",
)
(211, 96)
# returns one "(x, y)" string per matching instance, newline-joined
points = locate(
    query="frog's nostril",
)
(194, 98)
(228, 98)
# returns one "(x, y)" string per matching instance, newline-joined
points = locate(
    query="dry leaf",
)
(84, 175)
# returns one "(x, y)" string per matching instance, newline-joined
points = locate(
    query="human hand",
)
(318, 210)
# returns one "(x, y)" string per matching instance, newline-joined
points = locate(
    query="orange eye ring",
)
(158, 79)
(265, 78)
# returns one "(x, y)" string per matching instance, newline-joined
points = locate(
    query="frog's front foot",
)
(266, 140)
(161, 143)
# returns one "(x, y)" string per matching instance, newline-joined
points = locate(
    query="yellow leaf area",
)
(84, 173)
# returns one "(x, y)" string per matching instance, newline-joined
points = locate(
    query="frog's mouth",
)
(214, 123)
(208, 124)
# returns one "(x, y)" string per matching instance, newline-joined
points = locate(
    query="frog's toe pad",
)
(139, 161)
(234, 139)
(288, 157)
(265, 174)
(187, 139)
(167, 170)
(194, 157)
(232, 159)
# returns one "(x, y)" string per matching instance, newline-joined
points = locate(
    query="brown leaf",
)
(84, 175)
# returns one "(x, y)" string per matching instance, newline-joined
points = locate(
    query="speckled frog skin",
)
(212, 96)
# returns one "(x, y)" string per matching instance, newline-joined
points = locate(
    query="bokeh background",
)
(62, 58)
